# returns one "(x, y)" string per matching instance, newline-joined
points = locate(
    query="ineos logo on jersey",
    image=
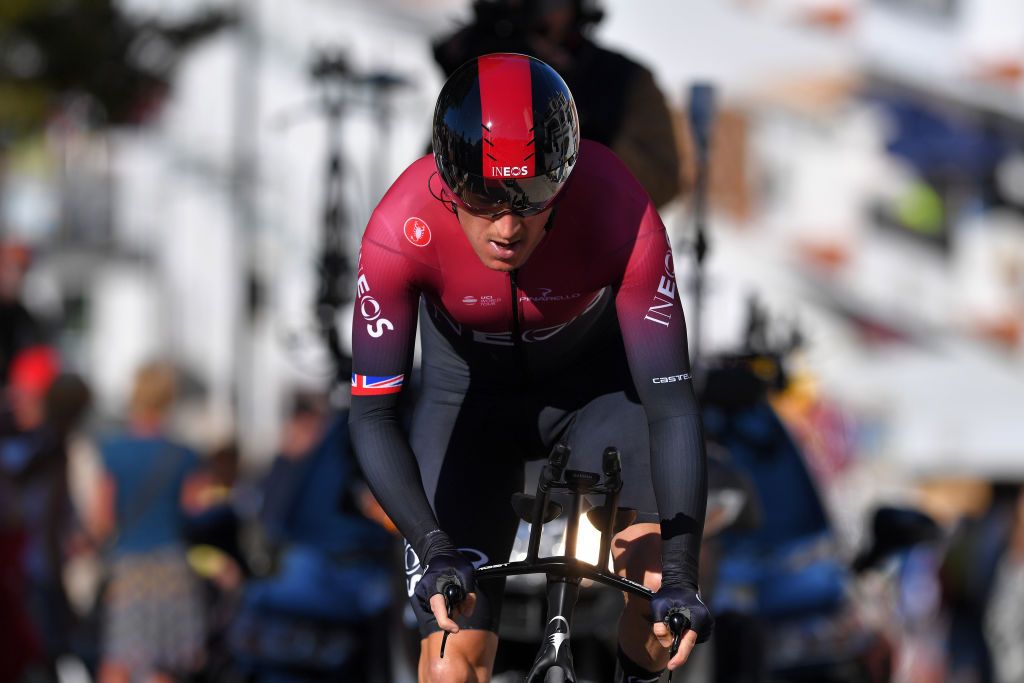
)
(496, 338)
(661, 311)
(504, 337)
(542, 333)
(475, 556)
(370, 309)
(413, 570)
(417, 231)
(509, 171)
(671, 378)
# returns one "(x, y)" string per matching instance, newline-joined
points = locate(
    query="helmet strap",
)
(442, 196)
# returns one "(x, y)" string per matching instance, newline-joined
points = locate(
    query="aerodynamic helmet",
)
(505, 135)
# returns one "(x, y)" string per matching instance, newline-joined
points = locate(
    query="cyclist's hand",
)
(699, 616)
(445, 568)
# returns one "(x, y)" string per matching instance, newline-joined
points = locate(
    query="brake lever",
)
(678, 624)
(453, 594)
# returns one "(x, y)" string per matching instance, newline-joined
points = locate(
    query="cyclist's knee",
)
(652, 579)
(454, 668)
(467, 659)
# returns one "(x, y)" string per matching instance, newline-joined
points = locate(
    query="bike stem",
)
(551, 472)
(613, 473)
(572, 528)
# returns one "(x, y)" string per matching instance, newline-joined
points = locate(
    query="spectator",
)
(969, 576)
(1003, 619)
(618, 102)
(44, 408)
(18, 327)
(215, 550)
(313, 513)
(214, 525)
(332, 573)
(19, 647)
(153, 624)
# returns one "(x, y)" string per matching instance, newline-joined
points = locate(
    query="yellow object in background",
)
(922, 210)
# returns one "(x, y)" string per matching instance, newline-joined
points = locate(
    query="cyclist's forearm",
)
(679, 471)
(391, 471)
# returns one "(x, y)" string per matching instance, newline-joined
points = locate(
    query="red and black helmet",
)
(506, 135)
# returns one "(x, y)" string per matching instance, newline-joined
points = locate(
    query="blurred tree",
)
(56, 51)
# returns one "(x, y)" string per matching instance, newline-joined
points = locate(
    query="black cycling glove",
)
(689, 602)
(443, 564)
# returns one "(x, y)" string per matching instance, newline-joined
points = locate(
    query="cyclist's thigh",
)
(617, 419)
(470, 468)
(591, 405)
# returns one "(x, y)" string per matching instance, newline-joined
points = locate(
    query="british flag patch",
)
(368, 385)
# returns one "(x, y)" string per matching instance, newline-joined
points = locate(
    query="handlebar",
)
(555, 476)
(611, 464)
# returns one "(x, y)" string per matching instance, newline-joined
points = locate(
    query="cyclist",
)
(544, 283)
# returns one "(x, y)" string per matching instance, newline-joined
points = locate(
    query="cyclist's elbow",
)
(366, 420)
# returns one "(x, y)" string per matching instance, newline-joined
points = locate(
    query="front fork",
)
(555, 652)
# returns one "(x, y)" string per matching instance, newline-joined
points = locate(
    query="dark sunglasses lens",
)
(523, 197)
(498, 210)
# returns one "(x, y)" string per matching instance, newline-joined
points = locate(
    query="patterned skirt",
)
(154, 613)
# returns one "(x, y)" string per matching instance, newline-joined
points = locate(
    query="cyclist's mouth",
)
(504, 250)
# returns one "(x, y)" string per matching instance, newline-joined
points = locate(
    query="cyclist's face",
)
(506, 242)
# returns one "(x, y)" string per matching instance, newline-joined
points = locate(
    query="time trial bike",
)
(565, 573)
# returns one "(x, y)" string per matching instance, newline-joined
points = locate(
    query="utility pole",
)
(702, 116)
(244, 177)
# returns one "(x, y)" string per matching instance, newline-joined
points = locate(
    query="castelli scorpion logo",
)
(417, 231)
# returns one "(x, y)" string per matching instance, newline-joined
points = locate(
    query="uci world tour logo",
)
(417, 231)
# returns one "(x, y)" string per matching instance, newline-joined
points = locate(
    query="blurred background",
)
(183, 188)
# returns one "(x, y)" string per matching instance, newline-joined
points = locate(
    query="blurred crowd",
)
(124, 551)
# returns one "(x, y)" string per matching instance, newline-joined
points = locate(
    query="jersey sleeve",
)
(383, 334)
(654, 332)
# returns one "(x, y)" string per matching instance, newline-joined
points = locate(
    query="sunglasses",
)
(494, 197)
(495, 211)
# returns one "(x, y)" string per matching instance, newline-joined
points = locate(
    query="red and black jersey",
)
(606, 241)
(605, 246)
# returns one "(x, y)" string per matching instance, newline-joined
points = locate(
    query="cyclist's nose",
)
(508, 226)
